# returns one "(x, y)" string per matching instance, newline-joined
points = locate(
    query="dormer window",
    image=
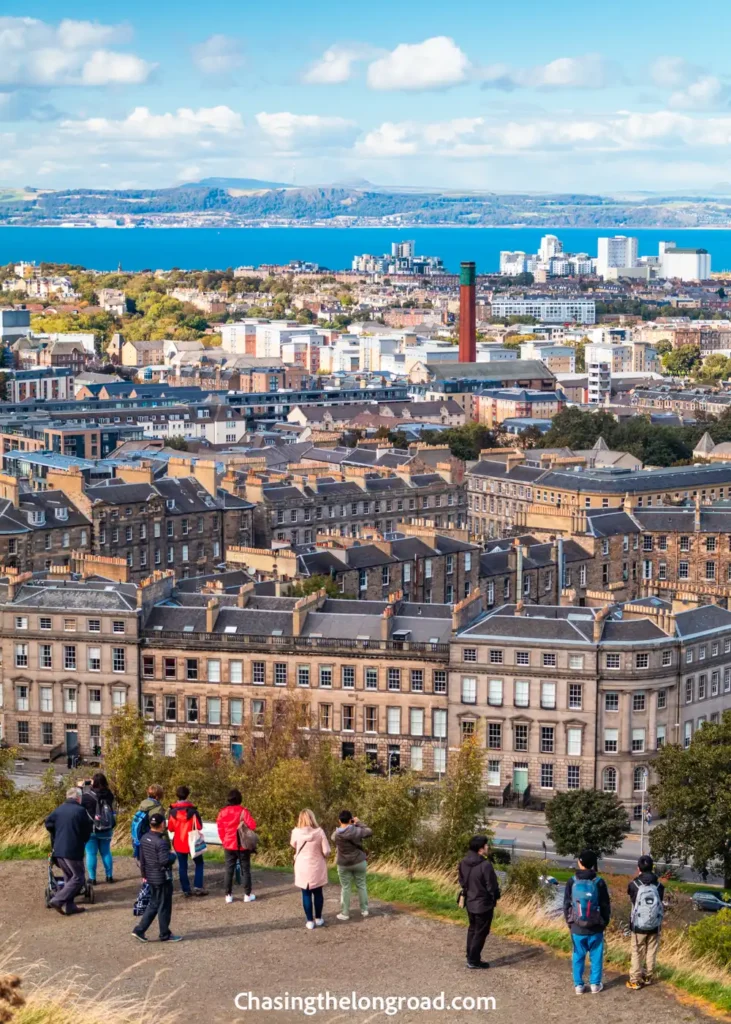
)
(62, 513)
(37, 518)
(170, 503)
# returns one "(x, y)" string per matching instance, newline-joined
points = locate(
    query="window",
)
(347, 677)
(689, 657)
(469, 654)
(21, 622)
(522, 657)
(69, 625)
(417, 680)
(214, 673)
(710, 570)
(393, 721)
(639, 779)
(522, 693)
(469, 690)
(191, 710)
(46, 699)
(326, 676)
(213, 706)
(371, 678)
(69, 700)
(609, 780)
(69, 658)
(303, 675)
(638, 701)
(440, 760)
(495, 692)
(576, 662)
(702, 687)
(191, 668)
(148, 707)
(689, 690)
(95, 701)
(494, 735)
(493, 773)
(547, 739)
(685, 543)
(416, 721)
(662, 699)
(394, 678)
(44, 622)
(22, 702)
(548, 695)
(667, 658)
(520, 736)
(715, 683)
(611, 741)
(573, 742)
(119, 698)
(236, 711)
(546, 776)
(23, 733)
(612, 661)
(660, 736)
(45, 656)
(280, 673)
(171, 709)
(496, 657)
(118, 626)
(21, 655)
(439, 723)
(258, 672)
(47, 734)
(94, 662)
(119, 660)
(642, 660)
(687, 734)
(549, 660)
(575, 696)
(573, 777)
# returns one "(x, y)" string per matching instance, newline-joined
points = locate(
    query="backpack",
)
(585, 903)
(246, 837)
(648, 911)
(143, 899)
(140, 825)
(104, 820)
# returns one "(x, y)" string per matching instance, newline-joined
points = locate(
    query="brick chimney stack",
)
(467, 314)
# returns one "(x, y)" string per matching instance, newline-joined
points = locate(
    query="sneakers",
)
(319, 922)
(635, 986)
(141, 938)
(200, 892)
(481, 966)
(579, 989)
(648, 981)
(250, 898)
(110, 880)
(596, 989)
(364, 913)
(173, 938)
(229, 898)
(188, 895)
(343, 917)
(310, 926)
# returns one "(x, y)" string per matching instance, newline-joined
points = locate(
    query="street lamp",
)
(645, 774)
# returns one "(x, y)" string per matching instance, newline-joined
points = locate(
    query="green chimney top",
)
(467, 273)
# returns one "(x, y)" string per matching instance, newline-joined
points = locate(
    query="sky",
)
(469, 95)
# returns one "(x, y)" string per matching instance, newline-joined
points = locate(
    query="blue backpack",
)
(140, 825)
(585, 903)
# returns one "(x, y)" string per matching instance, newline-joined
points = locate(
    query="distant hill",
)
(239, 183)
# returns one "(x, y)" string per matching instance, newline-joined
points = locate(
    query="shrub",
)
(524, 880)
(711, 938)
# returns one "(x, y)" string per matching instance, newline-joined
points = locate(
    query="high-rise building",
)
(618, 251)
(550, 246)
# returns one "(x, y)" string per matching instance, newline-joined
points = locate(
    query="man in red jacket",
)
(183, 818)
(228, 821)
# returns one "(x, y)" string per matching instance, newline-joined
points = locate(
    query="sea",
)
(332, 248)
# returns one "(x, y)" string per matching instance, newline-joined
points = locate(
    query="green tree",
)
(584, 819)
(127, 756)
(715, 368)
(681, 361)
(694, 791)
(314, 583)
(462, 804)
(178, 443)
(467, 442)
(663, 346)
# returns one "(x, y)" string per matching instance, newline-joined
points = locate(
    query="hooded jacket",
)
(347, 842)
(151, 805)
(156, 858)
(183, 818)
(605, 910)
(479, 882)
(228, 821)
(311, 850)
(645, 878)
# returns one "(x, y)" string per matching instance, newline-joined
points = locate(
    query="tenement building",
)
(575, 697)
(372, 674)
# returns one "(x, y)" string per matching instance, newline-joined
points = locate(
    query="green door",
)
(520, 778)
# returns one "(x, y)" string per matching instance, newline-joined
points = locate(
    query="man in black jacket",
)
(481, 892)
(156, 865)
(70, 827)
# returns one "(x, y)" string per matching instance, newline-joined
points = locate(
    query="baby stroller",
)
(55, 882)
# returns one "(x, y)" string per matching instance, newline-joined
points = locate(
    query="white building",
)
(512, 263)
(271, 336)
(618, 251)
(550, 246)
(684, 264)
(546, 310)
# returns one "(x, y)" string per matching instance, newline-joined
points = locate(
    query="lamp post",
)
(645, 774)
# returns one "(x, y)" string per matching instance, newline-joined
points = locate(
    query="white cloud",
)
(34, 53)
(218, 56)
(704, 93)
(592, 71)
(672, 72)
(142, 124)
(335, 66)
(285, 129)
(436, 63)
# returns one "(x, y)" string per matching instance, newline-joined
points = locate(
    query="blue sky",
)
(561, 96)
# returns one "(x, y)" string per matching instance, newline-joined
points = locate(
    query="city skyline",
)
(406, 96)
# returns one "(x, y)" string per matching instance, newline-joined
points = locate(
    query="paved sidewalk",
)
(263, 947)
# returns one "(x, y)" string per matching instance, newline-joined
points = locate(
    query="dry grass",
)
(67, 998)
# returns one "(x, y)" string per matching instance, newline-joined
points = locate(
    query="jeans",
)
(477, 933)
(308, 897)
(230, 858)
(73, 882)
(348, 876)
(644, 956)
(99, 843)
(593, 946)
(160, 907)
(183, 871)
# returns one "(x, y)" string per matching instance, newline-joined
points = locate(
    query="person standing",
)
(70, 827)
(587, 911)
(229, 819)
(156, 865)
(481, 892)
(646, 892)
(183, 818)
(351, 862)
(152, 804)
(311, 850)
(98, 800)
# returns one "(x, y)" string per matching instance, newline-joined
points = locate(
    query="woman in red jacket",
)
(183, 818)
(228, 821)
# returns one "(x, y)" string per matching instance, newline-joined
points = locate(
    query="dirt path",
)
(263, 947)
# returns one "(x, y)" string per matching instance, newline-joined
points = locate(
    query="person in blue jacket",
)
(587, 910)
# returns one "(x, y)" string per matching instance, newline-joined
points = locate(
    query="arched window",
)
(639, 778)
(609, 780)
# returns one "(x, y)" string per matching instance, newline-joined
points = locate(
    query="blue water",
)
(211, 248)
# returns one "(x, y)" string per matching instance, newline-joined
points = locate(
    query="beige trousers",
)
(644, 956)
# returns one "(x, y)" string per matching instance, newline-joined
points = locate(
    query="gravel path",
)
(264, 948)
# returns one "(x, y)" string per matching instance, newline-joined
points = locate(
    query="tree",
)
(694, 791)
(663, 346)
(585, 819)
(467, 442)
(715, 368)
(178, 443)
(681, 361)
(462, 805)
(127, 756)
(314, 583)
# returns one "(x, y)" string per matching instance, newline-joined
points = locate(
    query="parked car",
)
(704, 900)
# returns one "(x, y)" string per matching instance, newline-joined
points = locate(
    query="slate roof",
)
(71, 595)
(513, 369)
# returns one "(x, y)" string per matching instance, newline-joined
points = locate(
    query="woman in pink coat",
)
(311, 850)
